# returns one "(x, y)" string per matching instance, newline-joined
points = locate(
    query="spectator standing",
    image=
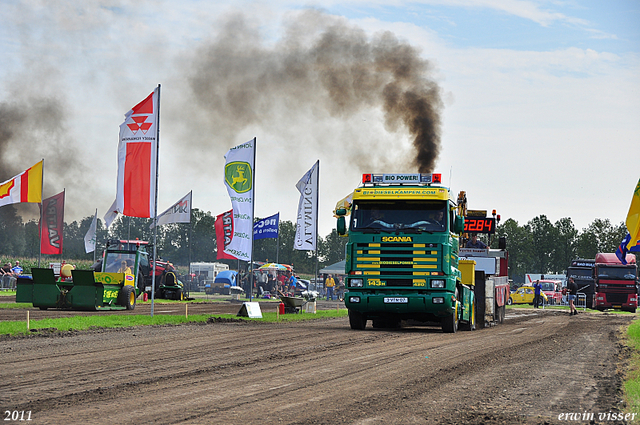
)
(292, 285)
(330, 284)
(536, 295)
(572, 286)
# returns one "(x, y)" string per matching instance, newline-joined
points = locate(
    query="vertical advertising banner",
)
(238, 177)
(224, 234)
(51, 226)
(137, 155)
(90, 237)
(307, 210)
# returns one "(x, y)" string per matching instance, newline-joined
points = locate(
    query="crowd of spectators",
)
(8, 274)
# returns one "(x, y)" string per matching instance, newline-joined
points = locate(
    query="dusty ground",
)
(535, 366)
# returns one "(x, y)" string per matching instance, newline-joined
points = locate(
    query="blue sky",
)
(541, 101)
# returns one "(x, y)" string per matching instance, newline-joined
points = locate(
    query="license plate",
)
(396, 300)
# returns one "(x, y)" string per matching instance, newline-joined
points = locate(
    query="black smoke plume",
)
(323, 66)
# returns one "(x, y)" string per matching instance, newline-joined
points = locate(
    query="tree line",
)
(179, 243)
(539, 246)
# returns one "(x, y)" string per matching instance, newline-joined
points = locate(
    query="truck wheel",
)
(127, 297)
(450, 323)
(510, 301)
(471, 324)
(357, 320)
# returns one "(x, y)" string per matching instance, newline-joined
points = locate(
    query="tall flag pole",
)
(137, 187)
(307, 223)
(90, 236)
(239, 177)
(155, 204)
(52, 225)
(306, 238)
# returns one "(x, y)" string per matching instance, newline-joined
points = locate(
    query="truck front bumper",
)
(400, 303)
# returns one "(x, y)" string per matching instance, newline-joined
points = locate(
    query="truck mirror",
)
(341, 212)
(458, 225)
(341, 227)
(502, 242)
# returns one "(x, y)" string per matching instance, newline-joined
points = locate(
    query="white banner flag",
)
(180, 212)
(306, 234)
(90, 237)
(238, 177)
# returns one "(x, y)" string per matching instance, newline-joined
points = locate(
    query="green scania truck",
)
(402, 257)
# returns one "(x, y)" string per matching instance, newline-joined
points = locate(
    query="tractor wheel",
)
(127, 297)
(357, 320)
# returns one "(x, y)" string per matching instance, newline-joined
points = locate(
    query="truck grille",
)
(398, 264)
(617, 298)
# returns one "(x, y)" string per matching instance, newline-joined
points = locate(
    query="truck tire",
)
(357, 321)
(450, 323)
(127, 297)
(471, 324)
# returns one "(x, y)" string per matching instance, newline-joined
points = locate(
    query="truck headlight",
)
(437, 283)
(354, 299)
(438, 300)
(355, 283)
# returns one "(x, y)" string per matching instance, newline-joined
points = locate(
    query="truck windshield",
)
(406, 216)
(621, 273)
(581, 274)
(547, 286)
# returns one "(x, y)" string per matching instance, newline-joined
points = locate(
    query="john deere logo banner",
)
(238, 177)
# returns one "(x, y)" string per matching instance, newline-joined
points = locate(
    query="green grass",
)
(632, 383)
(80, 323)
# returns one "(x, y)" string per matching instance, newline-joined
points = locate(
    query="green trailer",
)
(116, 287)
(87, 290)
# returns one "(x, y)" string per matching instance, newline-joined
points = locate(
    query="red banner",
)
(224, 234)
(51, 227)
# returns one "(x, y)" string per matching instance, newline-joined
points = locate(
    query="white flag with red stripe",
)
(137, 155)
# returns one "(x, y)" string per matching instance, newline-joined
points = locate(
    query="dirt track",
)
(535, 366)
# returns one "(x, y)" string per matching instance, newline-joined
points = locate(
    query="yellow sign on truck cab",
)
(436, 193)
(397, 239)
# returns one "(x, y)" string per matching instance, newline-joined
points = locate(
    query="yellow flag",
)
(633, 218)
(25, 187)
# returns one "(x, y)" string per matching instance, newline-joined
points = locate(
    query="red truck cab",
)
(616, 283)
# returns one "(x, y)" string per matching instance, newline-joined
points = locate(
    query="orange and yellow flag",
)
(633, 218)
(25, 187)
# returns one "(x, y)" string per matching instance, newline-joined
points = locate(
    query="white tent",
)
(336, 268)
